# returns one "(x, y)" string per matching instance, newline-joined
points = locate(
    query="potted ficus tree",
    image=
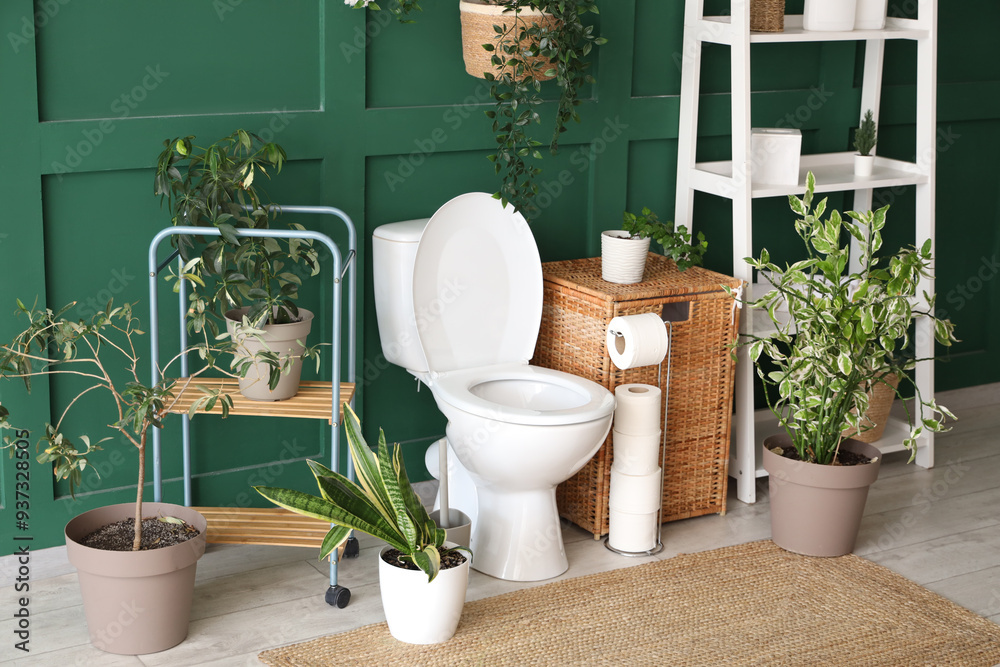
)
(624, 251)
(423, 581)
(846, 334)
(132, 556)
(865, 138)
(249, 283)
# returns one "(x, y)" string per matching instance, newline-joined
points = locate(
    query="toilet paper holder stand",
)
(658, 547)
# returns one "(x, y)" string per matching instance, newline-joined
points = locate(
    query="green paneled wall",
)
(381, 120)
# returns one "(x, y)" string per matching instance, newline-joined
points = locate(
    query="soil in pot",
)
(449, 559)
(844, 458)
(156, 534)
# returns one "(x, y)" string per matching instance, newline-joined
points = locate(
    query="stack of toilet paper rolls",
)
(636, 476)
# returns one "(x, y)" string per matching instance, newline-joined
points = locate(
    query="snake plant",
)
(382, 503)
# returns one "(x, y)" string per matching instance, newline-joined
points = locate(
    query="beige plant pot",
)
(478, 20)
(816, 509)
(136, 602)
(283, 339)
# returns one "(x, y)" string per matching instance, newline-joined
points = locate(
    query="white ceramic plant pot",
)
(283, 339)
(870, 14)
(418, 611)
(863, 165)
(623, 259)
(829, 15)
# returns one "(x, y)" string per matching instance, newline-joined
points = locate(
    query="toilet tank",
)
(394, 247)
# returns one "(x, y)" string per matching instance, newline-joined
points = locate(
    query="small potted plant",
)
(865, 138)
(250, 283)
(624, 251)
(132, 555)
(423, 581)
(846, 335)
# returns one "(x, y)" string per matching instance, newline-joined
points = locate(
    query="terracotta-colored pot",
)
(816, 509)
(282, 339)
(136, 602)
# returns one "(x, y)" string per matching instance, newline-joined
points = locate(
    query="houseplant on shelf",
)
(865, 138)
(423, 581)
(138, 570)
(847, 332)
(250, 283)
(624, 251)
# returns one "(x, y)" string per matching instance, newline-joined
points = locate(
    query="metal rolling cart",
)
(315, 400)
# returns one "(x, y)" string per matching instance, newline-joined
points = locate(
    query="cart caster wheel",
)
(338, 596)
(353, 548)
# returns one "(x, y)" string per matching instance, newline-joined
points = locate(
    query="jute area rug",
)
(752, 604)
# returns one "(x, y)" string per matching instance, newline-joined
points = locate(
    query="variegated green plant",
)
(847, 330)
(382, 503)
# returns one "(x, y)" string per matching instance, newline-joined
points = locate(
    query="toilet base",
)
(518, 536)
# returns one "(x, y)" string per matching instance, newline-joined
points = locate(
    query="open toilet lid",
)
(477, 285)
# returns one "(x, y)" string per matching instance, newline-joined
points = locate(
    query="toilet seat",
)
(521, 394)
(477, 285)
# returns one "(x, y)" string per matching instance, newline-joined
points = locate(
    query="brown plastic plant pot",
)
(282, 339)
(816, 509)
(136, 602)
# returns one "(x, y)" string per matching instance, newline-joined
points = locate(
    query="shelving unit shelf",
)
(312, 402)
(834, 172)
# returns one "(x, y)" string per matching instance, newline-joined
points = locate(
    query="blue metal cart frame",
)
(336, 595)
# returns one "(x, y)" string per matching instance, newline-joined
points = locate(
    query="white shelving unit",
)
(834, 172)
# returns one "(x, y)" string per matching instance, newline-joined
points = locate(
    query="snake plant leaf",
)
(392, 488)
(339, 490)
(319, 508)
(365, 464)
(428, 531)
(334, 538)
(428, 559)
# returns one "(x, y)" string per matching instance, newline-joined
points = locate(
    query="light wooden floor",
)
(937, 527)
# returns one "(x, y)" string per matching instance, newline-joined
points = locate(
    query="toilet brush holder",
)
(459, 528)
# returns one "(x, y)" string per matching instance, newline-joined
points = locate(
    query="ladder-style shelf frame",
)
(316, 400)
(834, 172)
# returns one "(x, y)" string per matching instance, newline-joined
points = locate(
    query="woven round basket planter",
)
(478, 20)
(880, 398)
(767, 15)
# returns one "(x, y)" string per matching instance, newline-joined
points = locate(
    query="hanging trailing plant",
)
(524, 54)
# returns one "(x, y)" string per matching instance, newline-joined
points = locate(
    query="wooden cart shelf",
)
(273, 526)
(314, 400)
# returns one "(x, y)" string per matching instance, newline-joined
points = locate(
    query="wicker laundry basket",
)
(767, 15)
(578, 306)
(478, 20)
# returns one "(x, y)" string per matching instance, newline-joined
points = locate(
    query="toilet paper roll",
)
(637, 409)
(637, 340)
(637, 494)
(636, 454)
(631, 532)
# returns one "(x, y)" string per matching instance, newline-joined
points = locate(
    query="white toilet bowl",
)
(520, 431)
(467, 328)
